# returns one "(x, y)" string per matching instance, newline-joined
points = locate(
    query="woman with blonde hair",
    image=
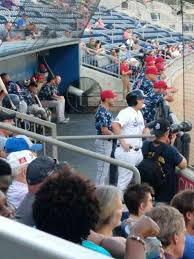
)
(110, 202)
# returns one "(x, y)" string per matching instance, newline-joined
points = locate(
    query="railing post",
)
(119, 72)
(54, 136)
(80, 55)
(113, 29)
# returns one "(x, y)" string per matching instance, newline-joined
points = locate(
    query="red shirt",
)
(124, 68)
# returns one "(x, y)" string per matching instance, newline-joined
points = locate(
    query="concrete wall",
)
(105, 81)
(183, 104)
(110, 3)
(19, 67)
(18, 241)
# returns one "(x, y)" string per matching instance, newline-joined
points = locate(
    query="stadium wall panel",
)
(64, 61)
(19, 67)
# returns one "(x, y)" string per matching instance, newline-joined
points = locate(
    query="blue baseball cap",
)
(39, 169)
(21, 142)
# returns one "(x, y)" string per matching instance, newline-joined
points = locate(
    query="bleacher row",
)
(111, 37)
(117, 22)
(51, 20)
(48, 14)
(58, 20)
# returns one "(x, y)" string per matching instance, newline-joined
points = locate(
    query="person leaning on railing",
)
(168, 159)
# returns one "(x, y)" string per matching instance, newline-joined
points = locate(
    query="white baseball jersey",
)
(131, 122)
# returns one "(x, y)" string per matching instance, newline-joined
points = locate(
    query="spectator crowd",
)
(123, 220)
(24, 26)
(51, 196)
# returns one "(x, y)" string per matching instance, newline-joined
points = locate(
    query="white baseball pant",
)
(104, 147)
(131, 157)
(59, 105)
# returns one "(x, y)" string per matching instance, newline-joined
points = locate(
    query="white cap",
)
(20, 158)
(123, 46)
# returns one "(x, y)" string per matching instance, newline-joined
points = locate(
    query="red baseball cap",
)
(150, 59)
(150, 64)
(39, 77)
(161, 85)
(151, 71)
(160, 60)
(160, 66)
(42, 66)
(107, 94)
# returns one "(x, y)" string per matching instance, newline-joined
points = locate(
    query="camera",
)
(175, 128)
(184, 126)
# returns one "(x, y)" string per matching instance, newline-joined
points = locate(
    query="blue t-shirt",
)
(21, 22)
(92, 246)
(189, 247)
(169, 159)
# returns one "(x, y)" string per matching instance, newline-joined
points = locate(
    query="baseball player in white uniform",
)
(129, 121)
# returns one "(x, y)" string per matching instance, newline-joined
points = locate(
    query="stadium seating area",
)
(116, 22)
(111, 37)
(50, 20)
(66, 22)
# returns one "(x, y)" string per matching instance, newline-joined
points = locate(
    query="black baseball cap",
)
(39, 169)
(6, 116)
(161, 126)
(139, 94)
(5, 168)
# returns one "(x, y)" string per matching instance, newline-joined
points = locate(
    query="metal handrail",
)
(35, 120)
(103, 137)
(74, 148)
(177, 65)
(94, 56)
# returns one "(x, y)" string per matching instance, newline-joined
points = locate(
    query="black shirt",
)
(169, 159)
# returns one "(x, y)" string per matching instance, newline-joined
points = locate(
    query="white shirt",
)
(131, 122)
(16, 193)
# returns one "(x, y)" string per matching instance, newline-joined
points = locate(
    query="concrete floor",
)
(79, 124)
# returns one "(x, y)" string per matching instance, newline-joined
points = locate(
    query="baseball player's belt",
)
(130, 147)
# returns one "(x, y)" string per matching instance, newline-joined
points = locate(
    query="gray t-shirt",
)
(24, 211)
(2, 142)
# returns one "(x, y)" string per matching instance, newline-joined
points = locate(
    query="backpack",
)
(151, 170)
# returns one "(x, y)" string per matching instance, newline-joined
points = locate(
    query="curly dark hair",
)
(67, 207)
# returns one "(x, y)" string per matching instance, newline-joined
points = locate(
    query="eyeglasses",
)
(56, 166)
